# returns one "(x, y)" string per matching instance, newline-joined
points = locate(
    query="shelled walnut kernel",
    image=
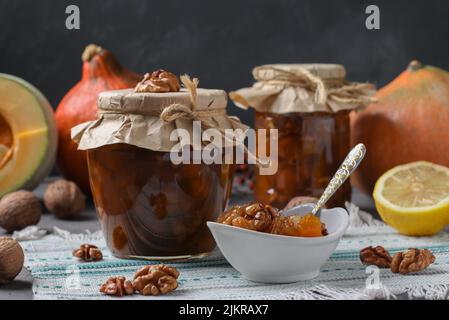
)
(411, 261)
(156, 279)
(377, 256)
(88, 252)
(158, 81)
(254, 216)
(117, 286)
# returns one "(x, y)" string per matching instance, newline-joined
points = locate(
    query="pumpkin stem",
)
(415, 65)
(90, 51)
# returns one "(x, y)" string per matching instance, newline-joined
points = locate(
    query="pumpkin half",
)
(101, 72)
(409, 123)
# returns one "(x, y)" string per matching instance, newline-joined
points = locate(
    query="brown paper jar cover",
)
(134, 118)
(287, 88)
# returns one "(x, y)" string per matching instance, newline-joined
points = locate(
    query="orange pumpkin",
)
(409, 122)
(101, 72)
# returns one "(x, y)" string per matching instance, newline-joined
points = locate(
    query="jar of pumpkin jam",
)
(309, 106)
(311, 148)
(148, 206)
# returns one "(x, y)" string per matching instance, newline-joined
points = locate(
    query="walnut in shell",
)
(18, 210)
(156, 279)
(64, 199)
(11, 259)
(412, 261)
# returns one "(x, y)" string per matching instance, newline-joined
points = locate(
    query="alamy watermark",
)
(73, 279)
(372, 22)
(73, 20)
(373, 281)
(216, 146)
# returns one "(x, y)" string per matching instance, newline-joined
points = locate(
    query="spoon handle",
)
(352, 161)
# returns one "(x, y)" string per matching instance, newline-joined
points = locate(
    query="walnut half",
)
(117, 286)
(377, 256)
(159, 81)
(88, 252)
(155, 279)
(412, 260)
(254, 216)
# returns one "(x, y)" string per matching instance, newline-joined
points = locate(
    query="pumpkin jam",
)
(150, 207)
(265, 218)
(311, 148)
(6, 142)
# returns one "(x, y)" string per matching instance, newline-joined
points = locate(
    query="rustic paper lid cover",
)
(138, 118)
(322, 70)
(129, 101)
(305, 88)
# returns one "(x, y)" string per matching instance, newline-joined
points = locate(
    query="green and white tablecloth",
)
(58, 275)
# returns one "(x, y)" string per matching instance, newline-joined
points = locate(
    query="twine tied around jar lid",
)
(324, 89)
(177, 111)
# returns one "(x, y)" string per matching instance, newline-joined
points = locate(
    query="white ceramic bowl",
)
(269, 258)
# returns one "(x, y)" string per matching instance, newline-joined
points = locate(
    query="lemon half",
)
(414, 198)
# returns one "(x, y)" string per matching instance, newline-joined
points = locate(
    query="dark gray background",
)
(220, 41)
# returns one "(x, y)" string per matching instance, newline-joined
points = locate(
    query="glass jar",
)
(150, 207)
(309, 106)
(311, 146)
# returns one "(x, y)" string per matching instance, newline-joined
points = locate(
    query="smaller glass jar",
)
(311, 147)
(309, 105)
(148, 206)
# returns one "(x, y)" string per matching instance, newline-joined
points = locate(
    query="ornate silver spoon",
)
(352, 161)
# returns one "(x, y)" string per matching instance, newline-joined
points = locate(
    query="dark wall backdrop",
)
(220, 41)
